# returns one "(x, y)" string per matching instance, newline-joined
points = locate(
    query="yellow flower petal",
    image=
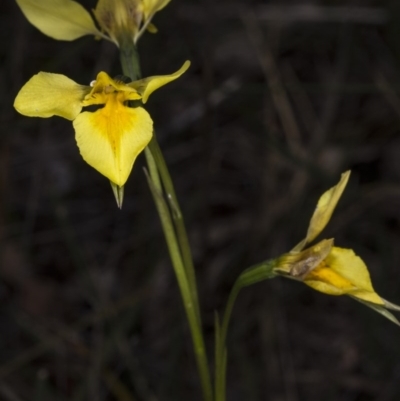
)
(350, 266)
(326, 280)
(47, 95)
(323, 212)
(150, 7)
(344, 272)
(148, 85)
(59, 19)
(111, 138)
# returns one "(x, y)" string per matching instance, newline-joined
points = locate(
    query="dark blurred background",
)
(281, 98)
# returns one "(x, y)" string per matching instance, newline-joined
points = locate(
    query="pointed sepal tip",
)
(118, 194)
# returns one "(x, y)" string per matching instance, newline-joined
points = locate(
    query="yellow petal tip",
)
(325, 208)
(148, 85)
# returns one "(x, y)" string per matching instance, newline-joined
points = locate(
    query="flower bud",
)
(120, 19)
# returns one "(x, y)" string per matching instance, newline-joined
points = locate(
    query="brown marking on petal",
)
(310, 259)
(303, 267)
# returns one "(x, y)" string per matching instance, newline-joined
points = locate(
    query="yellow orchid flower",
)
(329, 269)
(110, 138)
(120, 20)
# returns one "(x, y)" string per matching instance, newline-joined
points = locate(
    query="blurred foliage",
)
(281, 98)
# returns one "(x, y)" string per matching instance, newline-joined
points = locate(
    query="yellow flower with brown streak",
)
(119, 20)
(330, 269)
(109, 138)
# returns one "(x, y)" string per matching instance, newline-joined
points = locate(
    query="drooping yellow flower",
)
(119, 20)
(329, 269)
(110, 138)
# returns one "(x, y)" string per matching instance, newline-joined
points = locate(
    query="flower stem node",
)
(329, 269)
(109, 138)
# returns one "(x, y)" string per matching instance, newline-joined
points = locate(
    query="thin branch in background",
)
(368, 198)
(139, 381)
(350, 382)
(46, 345)
(8, 393)
(333, 97)
(282, 105)
(196, 111)
(273, 78)
(70, 337)
(386, 89)
(293, 13)
(301, 99)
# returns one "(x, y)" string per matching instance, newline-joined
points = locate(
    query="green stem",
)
(178, 219)
(174, 251)
(179, 251)
(250, 276)
(129, 59)
(228, 311)
(220, 351)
